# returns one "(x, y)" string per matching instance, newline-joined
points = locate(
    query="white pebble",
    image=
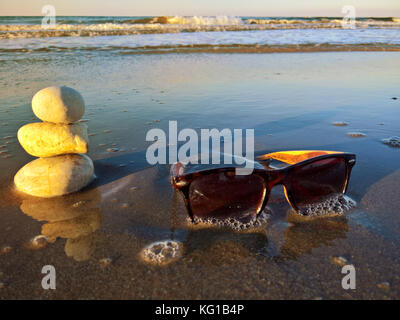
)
(356, 134)
(341, 261)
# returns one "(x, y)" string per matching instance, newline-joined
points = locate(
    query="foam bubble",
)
(36, 243)
(162, 252)
(79, 203)
(233, 223)
(104, 262)
(392, 142)
(335, 205)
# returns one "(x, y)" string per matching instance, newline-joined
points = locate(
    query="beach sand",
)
(290, 99)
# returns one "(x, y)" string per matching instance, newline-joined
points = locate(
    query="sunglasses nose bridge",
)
(274, 178)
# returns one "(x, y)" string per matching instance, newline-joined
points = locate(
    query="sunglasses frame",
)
(271, 177)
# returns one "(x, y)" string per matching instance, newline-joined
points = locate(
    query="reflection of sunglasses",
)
(219, 193)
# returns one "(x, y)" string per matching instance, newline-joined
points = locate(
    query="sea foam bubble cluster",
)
(335, 205)
(162, 252)
(233, 223)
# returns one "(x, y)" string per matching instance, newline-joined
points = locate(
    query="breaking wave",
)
(30, 27)
(193, 20)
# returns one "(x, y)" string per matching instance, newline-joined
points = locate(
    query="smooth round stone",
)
(55, 176)
(46, 139)
(58, 105)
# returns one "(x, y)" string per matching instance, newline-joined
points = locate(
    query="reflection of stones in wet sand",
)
(81, 248)
(74, 217)
(73, 228)
(60, 208)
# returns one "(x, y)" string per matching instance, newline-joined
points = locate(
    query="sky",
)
(387, 8)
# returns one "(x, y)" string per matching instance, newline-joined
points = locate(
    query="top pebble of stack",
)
(58, 105)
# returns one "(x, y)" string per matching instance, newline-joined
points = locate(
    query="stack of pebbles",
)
(59, 142)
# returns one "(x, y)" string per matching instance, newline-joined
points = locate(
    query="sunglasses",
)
(219, 193)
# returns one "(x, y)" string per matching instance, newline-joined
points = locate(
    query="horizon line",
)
(218, 15)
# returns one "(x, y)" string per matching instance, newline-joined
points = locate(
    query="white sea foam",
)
(233, 223)
(173, 40)
(177, 24)
(175, 33)
(335, 205)
(205, 21)
(162, 252)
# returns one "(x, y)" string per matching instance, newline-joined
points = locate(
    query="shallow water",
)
(291, 100)
(172, 40)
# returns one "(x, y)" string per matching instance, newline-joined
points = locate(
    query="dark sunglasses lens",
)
(315, 181)
(226, 195)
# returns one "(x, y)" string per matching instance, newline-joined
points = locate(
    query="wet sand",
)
(243, 48)
(292, 101)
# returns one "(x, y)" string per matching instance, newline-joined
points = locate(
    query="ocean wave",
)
(191, 20)
(176, 24)
(293, 21)
(250, 40)
(319, 20)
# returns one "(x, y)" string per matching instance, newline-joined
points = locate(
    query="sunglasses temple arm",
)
(173, 216)
(348, 173)
(293, 157)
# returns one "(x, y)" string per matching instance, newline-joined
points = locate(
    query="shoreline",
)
(219, 48)
(301, 48)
